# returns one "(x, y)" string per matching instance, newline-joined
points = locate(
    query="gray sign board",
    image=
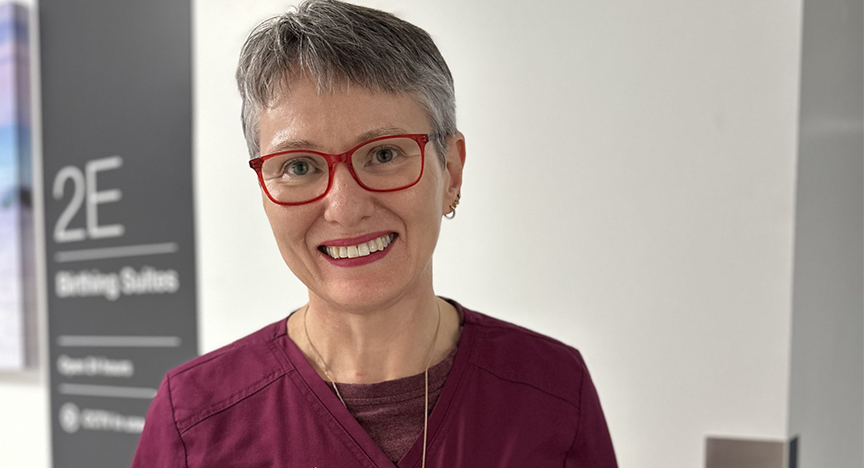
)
(117, 149)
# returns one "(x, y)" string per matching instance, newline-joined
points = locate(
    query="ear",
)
(454, 163)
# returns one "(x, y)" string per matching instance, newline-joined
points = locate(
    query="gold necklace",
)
(323, 367)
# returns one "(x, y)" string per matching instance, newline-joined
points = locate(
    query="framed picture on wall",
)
(17, 276)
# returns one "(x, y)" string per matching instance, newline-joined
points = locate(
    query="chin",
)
(360, 299)
(367, 292)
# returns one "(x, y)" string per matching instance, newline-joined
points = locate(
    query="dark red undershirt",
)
(391, 412)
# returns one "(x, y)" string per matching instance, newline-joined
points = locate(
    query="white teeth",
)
(360, 250)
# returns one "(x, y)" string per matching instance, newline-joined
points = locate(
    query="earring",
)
(452, 213)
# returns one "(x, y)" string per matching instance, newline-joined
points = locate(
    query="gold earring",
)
(452, 213)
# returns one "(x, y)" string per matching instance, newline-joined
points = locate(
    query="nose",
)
(347, 203)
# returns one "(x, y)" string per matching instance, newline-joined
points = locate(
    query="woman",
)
(349, 115)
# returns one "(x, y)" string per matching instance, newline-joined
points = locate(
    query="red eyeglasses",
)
(383, 164)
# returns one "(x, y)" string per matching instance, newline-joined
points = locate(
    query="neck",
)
(375, 345)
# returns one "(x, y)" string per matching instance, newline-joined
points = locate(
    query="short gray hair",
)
(336, 43)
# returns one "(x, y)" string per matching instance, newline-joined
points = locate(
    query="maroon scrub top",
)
(514, 398)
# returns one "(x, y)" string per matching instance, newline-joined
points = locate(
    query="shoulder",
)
(219, 379)
(522, 356)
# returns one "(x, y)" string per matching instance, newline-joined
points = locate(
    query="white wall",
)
(658, 240)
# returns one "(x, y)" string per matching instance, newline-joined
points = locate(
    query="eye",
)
(297, 168)
(384, 155)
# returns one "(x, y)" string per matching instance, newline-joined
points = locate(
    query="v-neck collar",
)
(357, 436)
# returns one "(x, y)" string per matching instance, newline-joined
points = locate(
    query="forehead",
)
(301, 117)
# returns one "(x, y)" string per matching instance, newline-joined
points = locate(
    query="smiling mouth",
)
(359, 250)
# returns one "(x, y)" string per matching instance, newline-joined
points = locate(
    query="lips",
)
(357, 249)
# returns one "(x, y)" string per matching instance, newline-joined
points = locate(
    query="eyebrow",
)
(366, 136)
(379, 132)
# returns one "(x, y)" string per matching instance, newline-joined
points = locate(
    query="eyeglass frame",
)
(332, 159)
